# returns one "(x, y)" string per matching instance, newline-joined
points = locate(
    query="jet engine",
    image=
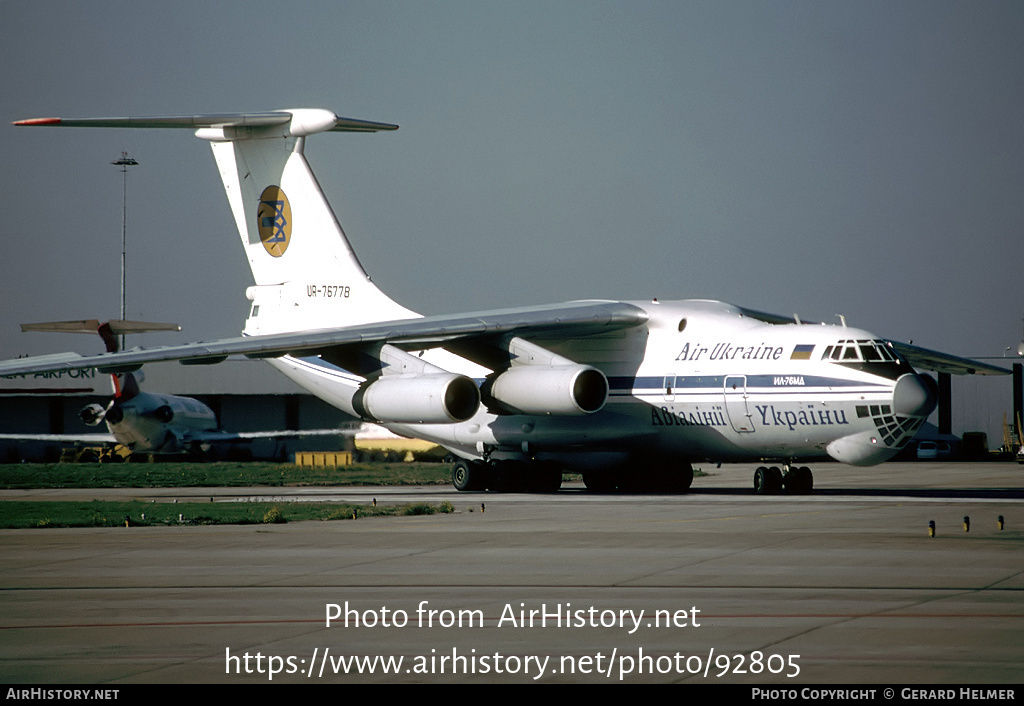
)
(559, 389)
(405, 389)
(163, 414)
(115, 414)
(92, 414)
(433, 398)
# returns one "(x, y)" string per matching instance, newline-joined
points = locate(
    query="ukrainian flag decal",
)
(274, 220)
(802, 352)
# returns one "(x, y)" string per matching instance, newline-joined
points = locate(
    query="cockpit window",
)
(872, 356)
(866, 351)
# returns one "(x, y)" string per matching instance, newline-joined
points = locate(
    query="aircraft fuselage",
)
(155, 423)
(699, 381)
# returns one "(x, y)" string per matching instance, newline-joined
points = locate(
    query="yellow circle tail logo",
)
(274, 220)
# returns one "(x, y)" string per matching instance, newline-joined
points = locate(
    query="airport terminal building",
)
(247, 396)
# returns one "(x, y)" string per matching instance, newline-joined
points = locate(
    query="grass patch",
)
(96, 513)
(197, 475)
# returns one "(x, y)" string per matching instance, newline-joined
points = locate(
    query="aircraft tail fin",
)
(129, 387)
(108, 331)
(306, 274)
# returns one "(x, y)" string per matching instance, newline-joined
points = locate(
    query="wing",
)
(927, 359)
(229, 437)
(94, 438)
(542, 322)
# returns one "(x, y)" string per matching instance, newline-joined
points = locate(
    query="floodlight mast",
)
(124, 162)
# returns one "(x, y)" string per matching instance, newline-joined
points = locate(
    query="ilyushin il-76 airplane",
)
(629, 393)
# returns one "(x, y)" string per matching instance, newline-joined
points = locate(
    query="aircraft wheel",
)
(799, 481)
(544, 478)
(807, 479)
(600, 481)
(669, 479)
(767, 481)
(508, 477)
(467, 475)
(683, 480)
(761, 480)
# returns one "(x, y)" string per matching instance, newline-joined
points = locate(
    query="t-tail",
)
(125, 386)
(306, 274)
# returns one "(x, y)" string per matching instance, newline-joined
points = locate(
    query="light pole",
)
(124, 163)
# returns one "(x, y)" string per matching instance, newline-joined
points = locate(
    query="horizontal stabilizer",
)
(92, 325)
(298, 122)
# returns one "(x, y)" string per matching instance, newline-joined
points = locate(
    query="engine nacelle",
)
(92, 414)
(114, 415)
(163, 414)
(435, 398)
(558, 389)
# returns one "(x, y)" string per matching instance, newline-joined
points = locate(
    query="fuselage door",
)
(736, 403)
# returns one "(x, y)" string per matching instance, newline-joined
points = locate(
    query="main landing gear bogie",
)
(773, 480)
(546, 477)
(654, 478)
(507, 476)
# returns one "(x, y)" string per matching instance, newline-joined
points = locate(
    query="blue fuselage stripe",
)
(704, 383)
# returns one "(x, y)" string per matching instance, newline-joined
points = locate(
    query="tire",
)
(467, 475)
(670, 479)
(600, 481)
(807, 479)
(508, 477)
(761, 480)
(767, 481)
(799, 481)
(682, 481)
(544, 478)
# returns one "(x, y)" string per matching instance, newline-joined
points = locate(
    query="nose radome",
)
(914, 395)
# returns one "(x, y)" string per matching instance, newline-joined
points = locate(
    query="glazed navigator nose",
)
(914, 395)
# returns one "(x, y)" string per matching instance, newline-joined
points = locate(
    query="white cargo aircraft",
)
(630, 393)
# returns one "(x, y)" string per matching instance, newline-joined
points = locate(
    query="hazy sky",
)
(823, 158)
